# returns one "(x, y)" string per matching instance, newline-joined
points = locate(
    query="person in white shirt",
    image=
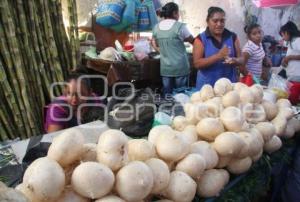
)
(291, 35)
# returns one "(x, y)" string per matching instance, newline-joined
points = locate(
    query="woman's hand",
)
(244, 71)
(223, 53)
(285, 61)
(265, 75)
(154, 45)
(267, 62)
(234, 61)
(230, 61)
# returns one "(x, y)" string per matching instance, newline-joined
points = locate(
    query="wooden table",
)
(146, 71)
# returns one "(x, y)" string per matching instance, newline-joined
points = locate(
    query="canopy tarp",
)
(274, 3)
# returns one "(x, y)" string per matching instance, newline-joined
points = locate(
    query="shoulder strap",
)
(177, 26)
(155, 30)
(202, 38)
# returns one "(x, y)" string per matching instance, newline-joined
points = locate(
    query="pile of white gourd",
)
(225, 130)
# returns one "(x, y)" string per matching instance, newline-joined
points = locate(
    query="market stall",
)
(238, 152)
(225, 140)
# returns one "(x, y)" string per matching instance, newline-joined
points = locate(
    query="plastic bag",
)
(294, 92)
(11, 171)
(143, 18)
(157, 4)
(169, 106)
(109, 12)
(162, 118)
(279, 86)
(128, 17)
(132, 112)
(141, 49)
(248, 80)
(152, 13)
(182, 98)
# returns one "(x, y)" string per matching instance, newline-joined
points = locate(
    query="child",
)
(253, 52)
(291, 35)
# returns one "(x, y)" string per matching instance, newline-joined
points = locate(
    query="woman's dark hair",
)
(168, 10)
(76, 76)
(290, 28)
(248, 28)
(212, 10)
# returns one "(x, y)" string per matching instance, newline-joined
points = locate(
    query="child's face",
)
(74, 98)
(285, 36)
(256, 35)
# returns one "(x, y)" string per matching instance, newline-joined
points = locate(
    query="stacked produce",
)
(10, 194)
(226, 128)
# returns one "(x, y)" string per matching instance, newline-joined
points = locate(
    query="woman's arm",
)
(296, 46)
(237, 46)
(56, 117)
(243, 68)
(154, 45)
(198, 55)
(239, 60)
(287, 59)
(186, 35)
(293, 57)
(189, 39)
(267, 64)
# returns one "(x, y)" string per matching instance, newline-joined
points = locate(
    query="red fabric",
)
(295, 93)
(274, 3)
(248, 80)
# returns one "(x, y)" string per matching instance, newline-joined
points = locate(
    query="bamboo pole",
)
(73, 32)
(8, 62)
(56, 34)
(39, 48)
(64, 37)
(35, 52)
(10, 32)
(42, 58)
(8, 95)
(53, 48)
(42, 26)
(77, 42)
(3, 132)
(7, 118)
(13, 117)
(32, 66)
(53, 51)
(21, 36)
